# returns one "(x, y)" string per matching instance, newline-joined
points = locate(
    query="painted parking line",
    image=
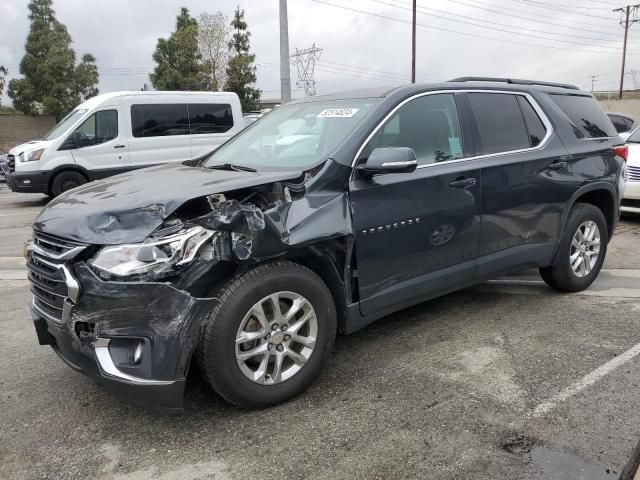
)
(17, 214)
(612, 282)
(585, 382)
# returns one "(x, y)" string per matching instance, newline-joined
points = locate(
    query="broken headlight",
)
(151, 256)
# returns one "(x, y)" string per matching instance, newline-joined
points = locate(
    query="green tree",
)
(51, 81)
(177, 58)
(241, 72)
(3, 79)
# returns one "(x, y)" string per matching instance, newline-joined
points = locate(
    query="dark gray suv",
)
(321, 217)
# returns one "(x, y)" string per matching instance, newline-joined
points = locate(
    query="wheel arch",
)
(332, 261)
(602, 195)
(67, 168)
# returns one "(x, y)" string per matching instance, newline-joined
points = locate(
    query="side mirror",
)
(389, 160)
(76, 138)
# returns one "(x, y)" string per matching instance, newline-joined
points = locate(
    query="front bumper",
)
(631, 200)
(29, 182)
(108, 316)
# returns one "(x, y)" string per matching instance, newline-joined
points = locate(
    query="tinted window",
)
(500, 122)
(627, 122)
(429, 124)
(159, 120)
(618, 123)
(535, 127)
(98, 128)
(210, 118)
(587, 117)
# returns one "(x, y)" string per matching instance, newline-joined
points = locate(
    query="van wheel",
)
(66, 181)
(581, 252)
(270, 336)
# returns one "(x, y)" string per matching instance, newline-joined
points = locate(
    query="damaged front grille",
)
(53, 287)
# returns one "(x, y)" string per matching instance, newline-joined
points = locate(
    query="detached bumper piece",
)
(134, 338)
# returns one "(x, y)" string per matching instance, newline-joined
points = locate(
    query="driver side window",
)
(99, 128)
(429, 125)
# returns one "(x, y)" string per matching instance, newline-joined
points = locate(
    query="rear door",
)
(159, 131)
(525, 181)
(417, 233)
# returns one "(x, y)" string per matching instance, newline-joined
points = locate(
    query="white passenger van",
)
(120, 131)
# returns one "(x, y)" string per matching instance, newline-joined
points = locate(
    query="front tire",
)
(582, 249)
(66, 180)
(270, 336)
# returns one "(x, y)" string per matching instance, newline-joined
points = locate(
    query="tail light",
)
(622, 151)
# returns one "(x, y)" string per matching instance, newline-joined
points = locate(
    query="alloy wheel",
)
(276, 338)
(585, 248)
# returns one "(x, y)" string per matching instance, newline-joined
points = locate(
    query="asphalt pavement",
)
(505, 380)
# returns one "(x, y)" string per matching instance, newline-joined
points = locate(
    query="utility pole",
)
(593, 81)
(413, 44)
(285, 73)
(626, 23)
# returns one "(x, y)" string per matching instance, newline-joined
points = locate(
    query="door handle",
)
(557, 165)
(119, 146)
(463, 183)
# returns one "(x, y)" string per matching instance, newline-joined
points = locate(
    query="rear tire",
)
(66, 180)
(297, 335)
(582, 249)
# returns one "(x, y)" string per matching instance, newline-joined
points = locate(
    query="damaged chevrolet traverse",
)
(321, 217)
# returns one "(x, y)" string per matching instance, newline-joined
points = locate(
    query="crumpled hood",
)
(128, 207)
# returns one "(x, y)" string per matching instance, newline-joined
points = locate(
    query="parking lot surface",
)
(505, 380)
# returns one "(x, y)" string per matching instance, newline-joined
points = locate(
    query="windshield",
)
(293, 136)
(635, 136)
(64, 124)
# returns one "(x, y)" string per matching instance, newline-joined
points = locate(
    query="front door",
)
(417, 233)
(101, 145)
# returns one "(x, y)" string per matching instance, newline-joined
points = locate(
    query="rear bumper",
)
(631, 199)
(29, 182)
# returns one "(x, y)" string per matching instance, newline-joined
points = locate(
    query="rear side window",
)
(621, 124)
(535, 127)
(500, 122)
(210, 118)
(587, 118)
(159, 120)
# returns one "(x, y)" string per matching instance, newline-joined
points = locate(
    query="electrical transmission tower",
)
(626, 22)
(634, 76)
(305, 62)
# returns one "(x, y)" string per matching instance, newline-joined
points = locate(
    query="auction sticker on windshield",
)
(338, 112)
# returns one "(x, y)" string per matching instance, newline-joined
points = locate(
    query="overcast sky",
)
(364, 42)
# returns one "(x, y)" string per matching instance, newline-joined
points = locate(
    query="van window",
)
(159, 120)
(428, 124)
(100, 127)
(500, 122)
(210, 118)
(586, 116)
(535, 127)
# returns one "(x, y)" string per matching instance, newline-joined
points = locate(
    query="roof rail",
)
(514, 81)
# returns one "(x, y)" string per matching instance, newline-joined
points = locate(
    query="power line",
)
(555, 7)
(457, 16)
(459, 32)
(538, 16)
